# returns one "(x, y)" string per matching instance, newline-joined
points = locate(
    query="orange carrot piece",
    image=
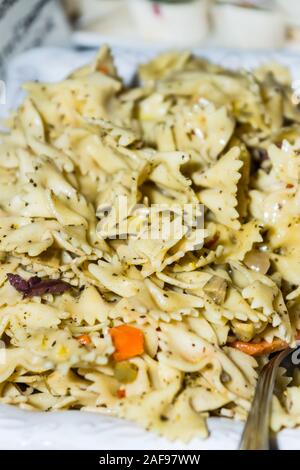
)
(259, 349)
(262, 348)
(104, 69)
(84, 339)
(121, 393)
(128, 342)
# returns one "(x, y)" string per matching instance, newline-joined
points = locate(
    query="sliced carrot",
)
(84, 339)
(262, 348)
(121, 393)
(128, 342)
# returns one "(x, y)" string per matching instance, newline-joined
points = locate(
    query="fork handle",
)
(256, 431)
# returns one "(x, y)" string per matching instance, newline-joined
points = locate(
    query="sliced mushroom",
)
(258, 261)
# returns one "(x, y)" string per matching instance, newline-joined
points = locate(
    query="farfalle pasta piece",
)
(237, 243)
(240, 91)
(76, 98)
(90, 307)
(203, 129)
(261, 296)
(103, 62)
(19, 357)
(170, 301)
(125, 283)
(200, 129)
(285, 162)
(286, 414)
(24, 235)
(219, 195)
(163, 65)
(152, 109)
(288, 267)
(167, 170)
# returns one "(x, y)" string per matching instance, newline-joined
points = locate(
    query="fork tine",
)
(256, 431)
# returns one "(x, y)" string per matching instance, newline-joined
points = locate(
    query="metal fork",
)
(256, 434)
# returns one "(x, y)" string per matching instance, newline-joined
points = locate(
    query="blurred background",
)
(149, 24)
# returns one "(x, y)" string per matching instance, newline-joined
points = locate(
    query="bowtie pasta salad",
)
(97, 314)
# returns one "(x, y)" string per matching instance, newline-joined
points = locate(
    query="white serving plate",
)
(70, 430)
(82, 430)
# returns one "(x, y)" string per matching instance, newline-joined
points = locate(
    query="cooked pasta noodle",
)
(103, 309)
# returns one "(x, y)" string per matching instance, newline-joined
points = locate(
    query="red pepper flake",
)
(104, 69)
(289, 186)
(121, 393)
(210, 243)
(84, 339)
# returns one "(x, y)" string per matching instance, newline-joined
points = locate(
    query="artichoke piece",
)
(243, 331)
(216, 289)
